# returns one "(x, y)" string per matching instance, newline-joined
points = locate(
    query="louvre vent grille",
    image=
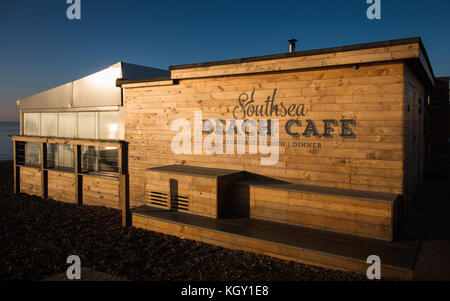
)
(179, 202)
(157, 198)
(160, 199)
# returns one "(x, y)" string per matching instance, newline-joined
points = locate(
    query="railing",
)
(81, 157)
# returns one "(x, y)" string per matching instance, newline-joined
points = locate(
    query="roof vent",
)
(292, 45)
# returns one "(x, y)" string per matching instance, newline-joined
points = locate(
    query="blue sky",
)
(40, 48)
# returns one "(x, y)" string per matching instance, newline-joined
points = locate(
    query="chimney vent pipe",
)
(292, 45)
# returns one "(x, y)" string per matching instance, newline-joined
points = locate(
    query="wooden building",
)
(344, 132)
(72, 138)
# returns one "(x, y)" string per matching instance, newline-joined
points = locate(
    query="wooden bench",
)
(219, 193)
(360, 213)
(197, 190)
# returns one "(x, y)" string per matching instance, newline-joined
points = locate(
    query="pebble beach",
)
(38, 235)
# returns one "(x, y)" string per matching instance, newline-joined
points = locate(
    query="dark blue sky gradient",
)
(40, 48)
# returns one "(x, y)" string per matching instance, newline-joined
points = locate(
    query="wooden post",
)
(16, 169)
(123, 196)
(78, 176)
(44, 175)
(123, 185)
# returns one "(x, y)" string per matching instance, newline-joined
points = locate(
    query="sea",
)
(6, 147)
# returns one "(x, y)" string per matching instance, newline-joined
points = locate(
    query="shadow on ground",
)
(428, 221)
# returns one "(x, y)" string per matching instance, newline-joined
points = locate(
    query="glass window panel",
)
(66, 125)
(32, 154)
(86, 125)
(61, 157)
(99, 160)
(109, 125)
(31, 124)
(48, 124)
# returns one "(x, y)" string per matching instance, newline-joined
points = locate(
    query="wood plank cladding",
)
(101, 191)
(371, 95)
(62, 186)
(30, 181)
(189, 189)
(358, 216)
(398, 52)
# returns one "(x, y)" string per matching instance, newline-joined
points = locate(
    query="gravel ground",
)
(38, 235)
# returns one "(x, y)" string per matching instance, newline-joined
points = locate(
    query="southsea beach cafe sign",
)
(252, 125)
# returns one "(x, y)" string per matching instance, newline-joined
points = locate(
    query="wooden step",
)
(301, 244)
